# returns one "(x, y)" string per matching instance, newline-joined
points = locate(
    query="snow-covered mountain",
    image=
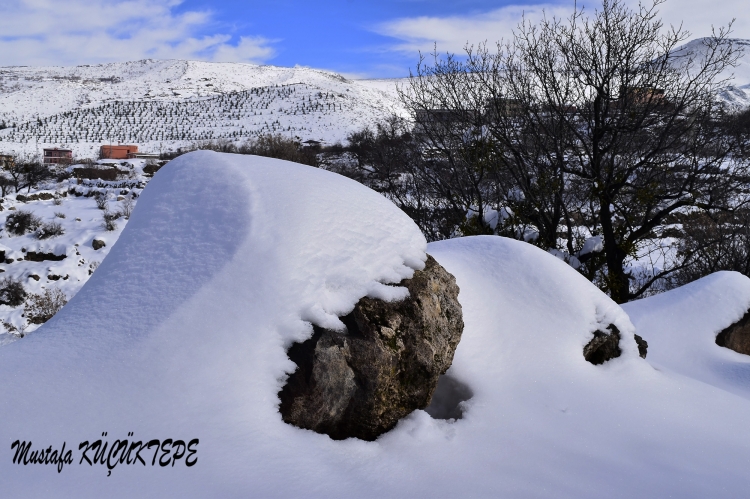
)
(737, 93)
(161, 105)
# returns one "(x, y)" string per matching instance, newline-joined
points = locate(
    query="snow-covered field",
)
(182, 334)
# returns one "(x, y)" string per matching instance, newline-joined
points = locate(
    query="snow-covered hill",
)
(162, 105)
(737, 93)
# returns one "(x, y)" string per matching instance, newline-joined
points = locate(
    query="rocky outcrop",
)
(361, 382)
(605, 346)
(737, 336)
(39, 256)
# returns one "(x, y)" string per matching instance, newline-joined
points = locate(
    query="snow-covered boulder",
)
(179, 341)
(362, 381)
(737, 336)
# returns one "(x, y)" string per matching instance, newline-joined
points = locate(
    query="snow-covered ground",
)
(74, 207)
(182, 334)
(681, 326)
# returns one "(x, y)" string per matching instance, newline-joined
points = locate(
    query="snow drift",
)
(182, 334)
(681, 326)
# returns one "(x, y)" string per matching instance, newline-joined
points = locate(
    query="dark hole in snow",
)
(446, 401)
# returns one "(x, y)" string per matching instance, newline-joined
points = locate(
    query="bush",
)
(21, 222)
(12, 329)
(127, 207)
(12, 292)
(50, 229)
(101, 201)
(41, 307)
(109, 220)
(62, 175)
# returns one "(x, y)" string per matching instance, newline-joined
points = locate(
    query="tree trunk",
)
(618, 283)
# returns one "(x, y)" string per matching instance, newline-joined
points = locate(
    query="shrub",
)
(127, 207)
(12, 329)
(109, 220)
(59, 214)
(41, 307)
(50, 229)
(21, 222)
(12, 292)
(63, 175)
(101, 201)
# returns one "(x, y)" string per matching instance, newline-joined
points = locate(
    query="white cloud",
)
(451, 33)
(47, 32)
(698, 16)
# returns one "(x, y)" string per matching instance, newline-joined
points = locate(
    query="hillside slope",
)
(165, 104)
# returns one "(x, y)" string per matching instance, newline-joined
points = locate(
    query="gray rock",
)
(360, 383)
(98, 244)
(34, 256)
(642, 346)
(737, 336)
(605, 346)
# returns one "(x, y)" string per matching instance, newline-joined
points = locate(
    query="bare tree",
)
(599, 126)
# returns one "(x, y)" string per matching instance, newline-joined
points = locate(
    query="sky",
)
(369, 39)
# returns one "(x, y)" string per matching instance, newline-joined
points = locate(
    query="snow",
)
(737, 93)
(593, 244)
(81, 222)
(163, 105)
(182, 333)
(681, 327)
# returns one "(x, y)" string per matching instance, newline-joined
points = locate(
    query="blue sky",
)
(345, 35)
(354, 37)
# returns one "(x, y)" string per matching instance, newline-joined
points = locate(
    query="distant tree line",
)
(269, 145)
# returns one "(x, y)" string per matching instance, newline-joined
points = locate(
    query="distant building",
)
(499, 108)
(7, 161)
(58, 156)
(117, 152)
(643, 95)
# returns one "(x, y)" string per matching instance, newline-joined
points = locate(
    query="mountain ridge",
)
(162, 105)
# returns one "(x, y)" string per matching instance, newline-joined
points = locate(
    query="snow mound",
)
(681, 327)
(182, 334)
